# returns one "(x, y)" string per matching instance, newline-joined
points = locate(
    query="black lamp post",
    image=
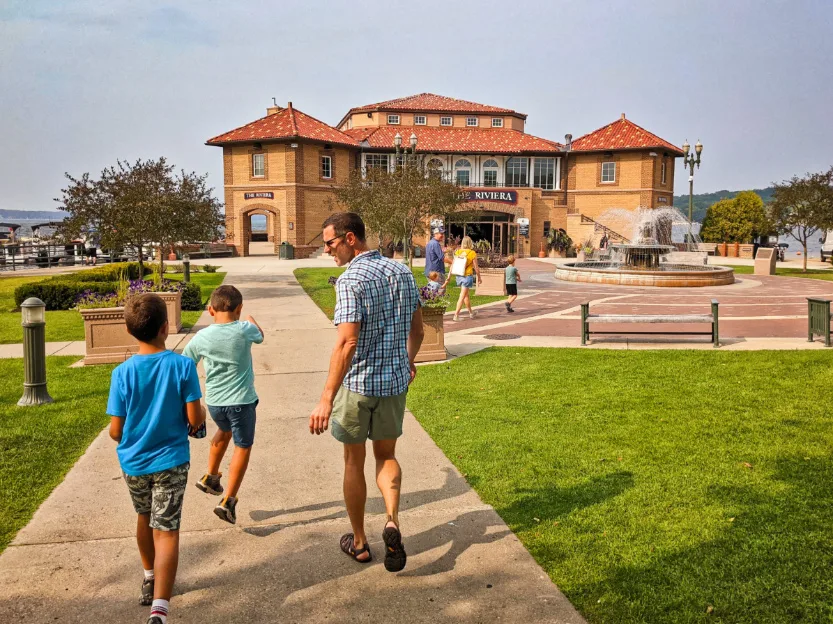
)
(690, 161)
(33, 312)
(186, 268)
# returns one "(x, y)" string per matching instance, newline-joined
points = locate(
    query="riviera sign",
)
(503, 197)
(262, 195)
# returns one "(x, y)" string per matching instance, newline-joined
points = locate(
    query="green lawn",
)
(314, 283)
(653, 486)
(822, 274)
(40, 444)
(65, 325)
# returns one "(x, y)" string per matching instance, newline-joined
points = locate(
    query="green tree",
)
(139, 204)
(802, 206)
(399, 204)
(736, 220)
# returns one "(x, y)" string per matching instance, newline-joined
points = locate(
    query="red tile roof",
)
(433, 139)
(429, 102)
(287, 123)
(619, 135)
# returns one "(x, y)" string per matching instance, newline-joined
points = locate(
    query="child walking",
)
(511, 277)
(154, 404)
(226, 350)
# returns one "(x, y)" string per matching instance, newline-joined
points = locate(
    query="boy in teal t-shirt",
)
(226, 350)
(511, 279)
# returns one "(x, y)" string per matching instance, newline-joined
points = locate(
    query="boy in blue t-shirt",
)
(226, 351)
(154, 404)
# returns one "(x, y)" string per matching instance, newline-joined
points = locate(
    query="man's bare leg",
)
(355, 493)
(388, 477)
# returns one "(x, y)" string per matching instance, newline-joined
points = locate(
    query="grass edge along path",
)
(314, 283)
(40, 444)
(652, 486)
(67, 325)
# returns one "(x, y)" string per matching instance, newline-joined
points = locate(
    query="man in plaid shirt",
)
(379, 322)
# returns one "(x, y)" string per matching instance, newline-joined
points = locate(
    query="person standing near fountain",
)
(464, 268)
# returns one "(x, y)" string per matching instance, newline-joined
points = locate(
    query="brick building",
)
(285, 166)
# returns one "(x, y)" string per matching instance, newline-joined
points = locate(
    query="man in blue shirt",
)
(380, 330)
(434, 256)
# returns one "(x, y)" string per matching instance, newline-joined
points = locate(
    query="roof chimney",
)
(568, 142)
(272, 110)
(623, 115)
(289, 104)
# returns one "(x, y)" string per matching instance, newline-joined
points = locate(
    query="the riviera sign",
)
(502, 197)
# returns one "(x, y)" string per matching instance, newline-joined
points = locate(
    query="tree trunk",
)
(804, 245)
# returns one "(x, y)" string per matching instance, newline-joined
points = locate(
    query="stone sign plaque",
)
(765, 261)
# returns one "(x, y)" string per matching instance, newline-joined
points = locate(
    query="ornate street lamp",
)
(33, 313)
(690, 161)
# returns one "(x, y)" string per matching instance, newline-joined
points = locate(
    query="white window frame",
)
(605, 174)
(471, 122)
(388, 157)
(259, 156)
(497, 122)
(526, 171)
(391, 118)
(541, 160)
(445, 119)
(458, 168)
(420, 120)
(662, 173)
(487, 168)
(329, 161)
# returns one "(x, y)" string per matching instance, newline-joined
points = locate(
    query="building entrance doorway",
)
(497, 228)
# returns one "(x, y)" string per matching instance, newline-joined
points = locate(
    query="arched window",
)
(435, 168)
(462, 172)
(490, 169)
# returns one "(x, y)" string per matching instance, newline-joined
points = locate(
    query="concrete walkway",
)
(76, 561)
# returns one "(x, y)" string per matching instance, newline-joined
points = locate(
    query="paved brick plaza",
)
(753, 307)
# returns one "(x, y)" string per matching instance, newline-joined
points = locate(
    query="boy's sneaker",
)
(226, 509)
(147, 593)
(154, 619)
(510, 309)
(473, 314)
(210, 484)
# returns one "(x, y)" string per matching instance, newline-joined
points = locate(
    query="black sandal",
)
(348, 547)
(395, 557)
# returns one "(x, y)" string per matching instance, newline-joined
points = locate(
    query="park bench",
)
(709, 248)
(651, 319)
(818, 319)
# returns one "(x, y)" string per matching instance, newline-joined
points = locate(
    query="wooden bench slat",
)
(649, 318)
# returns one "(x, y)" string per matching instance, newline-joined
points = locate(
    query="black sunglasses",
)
(329, 243)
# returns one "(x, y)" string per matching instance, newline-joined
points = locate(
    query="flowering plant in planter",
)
(433, 298)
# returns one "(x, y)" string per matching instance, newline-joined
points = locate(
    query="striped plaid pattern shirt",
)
(382, 296)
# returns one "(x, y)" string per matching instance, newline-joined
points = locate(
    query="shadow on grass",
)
(771, 562)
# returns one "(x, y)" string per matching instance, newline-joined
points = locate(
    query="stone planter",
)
(492, 282)
(433, 345)
(746, 251)
(580, 256)
(106, 336)
(173, 301)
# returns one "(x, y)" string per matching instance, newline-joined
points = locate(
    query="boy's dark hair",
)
(226, 298)
(344, 222)
(144, 315)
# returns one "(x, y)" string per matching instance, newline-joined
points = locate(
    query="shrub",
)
(59, 295)
(210, 268)
(191, 296)
(105, 273)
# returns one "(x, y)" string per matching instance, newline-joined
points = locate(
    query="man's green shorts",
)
(357, 417)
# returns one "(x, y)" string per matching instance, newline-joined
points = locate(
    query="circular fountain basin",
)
(668, 275)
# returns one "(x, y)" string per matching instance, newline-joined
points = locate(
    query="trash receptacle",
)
(287, 251)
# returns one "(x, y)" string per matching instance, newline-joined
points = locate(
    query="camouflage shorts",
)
(160, 494)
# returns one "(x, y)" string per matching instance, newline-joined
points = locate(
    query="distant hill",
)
(29, 215)
(703, 200)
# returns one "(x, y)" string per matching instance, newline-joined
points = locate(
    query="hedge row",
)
(61, 291)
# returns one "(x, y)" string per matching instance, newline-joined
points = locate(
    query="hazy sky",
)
(85, 82)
